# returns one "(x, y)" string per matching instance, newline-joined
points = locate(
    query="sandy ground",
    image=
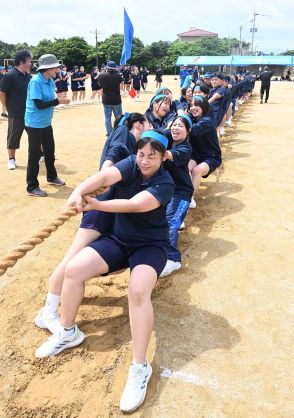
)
(222, 345)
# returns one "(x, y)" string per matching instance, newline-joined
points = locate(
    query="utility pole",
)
(240, 40)
(96, 33)
(253, 30)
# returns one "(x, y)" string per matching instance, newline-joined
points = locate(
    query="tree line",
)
(76, 51)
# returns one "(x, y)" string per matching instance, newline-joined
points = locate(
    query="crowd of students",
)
(151, 167)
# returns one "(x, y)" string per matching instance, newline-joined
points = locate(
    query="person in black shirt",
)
(265, 78)
(13, 94)
(95, 86)
(74, 84)
(178, 156)
(158, 77)
(144, 75)
(126, 74)
(206, 152)
(136, 82)
(138, 240)
(82, 84)
(110, 82)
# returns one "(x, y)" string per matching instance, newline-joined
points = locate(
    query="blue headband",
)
(157, 98)
(199, 98)
(154, 135)
(124, 118)
(184, 116)
(197, 88)
(162, 89)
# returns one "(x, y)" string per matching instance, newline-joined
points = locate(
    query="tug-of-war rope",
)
(20, 251)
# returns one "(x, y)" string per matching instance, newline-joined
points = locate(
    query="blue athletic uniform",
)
(205, 144)
(217, 105)
(179, 205)
(119, 145)
(137, 238)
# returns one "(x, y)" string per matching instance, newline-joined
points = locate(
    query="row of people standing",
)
(134, 76)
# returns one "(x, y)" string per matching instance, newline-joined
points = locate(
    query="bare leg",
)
(85, 265)
(143, 279)
(82, 238)
(197, 172)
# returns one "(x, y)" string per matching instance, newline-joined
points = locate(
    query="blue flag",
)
(128, 37)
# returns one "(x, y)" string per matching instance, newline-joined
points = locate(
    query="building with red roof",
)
(195, 34)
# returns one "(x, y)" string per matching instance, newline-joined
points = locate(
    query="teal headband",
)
(157, 98)
(197, 88)
(162, 89)
(184, 116)
(124, 118)
(199, 98)
(155, 135)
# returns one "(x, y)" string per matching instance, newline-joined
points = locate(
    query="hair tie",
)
(124, 118)
(155, 135)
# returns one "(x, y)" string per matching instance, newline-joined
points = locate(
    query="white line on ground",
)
(191, 378)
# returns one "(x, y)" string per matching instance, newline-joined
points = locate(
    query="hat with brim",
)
(47, 61)
(111, 65)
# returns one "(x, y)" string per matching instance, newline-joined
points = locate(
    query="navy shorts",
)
(212, 163)
(97, 220)
(119, 256)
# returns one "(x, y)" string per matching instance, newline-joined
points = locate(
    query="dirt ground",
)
(222, 345)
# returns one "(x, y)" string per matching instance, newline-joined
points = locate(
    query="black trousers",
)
(38, 137)
(265, 89)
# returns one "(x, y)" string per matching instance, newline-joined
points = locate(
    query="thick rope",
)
(20, 251)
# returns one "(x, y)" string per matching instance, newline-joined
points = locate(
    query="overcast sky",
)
(153, 20)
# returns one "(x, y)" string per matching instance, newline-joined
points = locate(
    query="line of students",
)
(149, 177)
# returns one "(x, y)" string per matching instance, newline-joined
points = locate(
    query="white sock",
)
(52, 302)
(67, 331)
(138, 364)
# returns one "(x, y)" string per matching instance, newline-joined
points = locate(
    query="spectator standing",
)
(265, 78)
(40, 103)
(110, 82)
(13, 94)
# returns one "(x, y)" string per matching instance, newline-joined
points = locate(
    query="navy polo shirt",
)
(178, 169)
(217, 105)
(155, 122)
(15, 84)
(135, 229)
(120, 144)
(74, 82)
(204, 140)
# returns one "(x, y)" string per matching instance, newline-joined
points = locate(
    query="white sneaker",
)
(49, 321)
(193, 204)
(11, 164)
(228, 123)
(170, 267)
(221, 130)
(135, 390)
(182, 226)
(57, 343)
(42, 158)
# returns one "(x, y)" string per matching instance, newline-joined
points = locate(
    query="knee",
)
(137, 296)
(72, 270)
